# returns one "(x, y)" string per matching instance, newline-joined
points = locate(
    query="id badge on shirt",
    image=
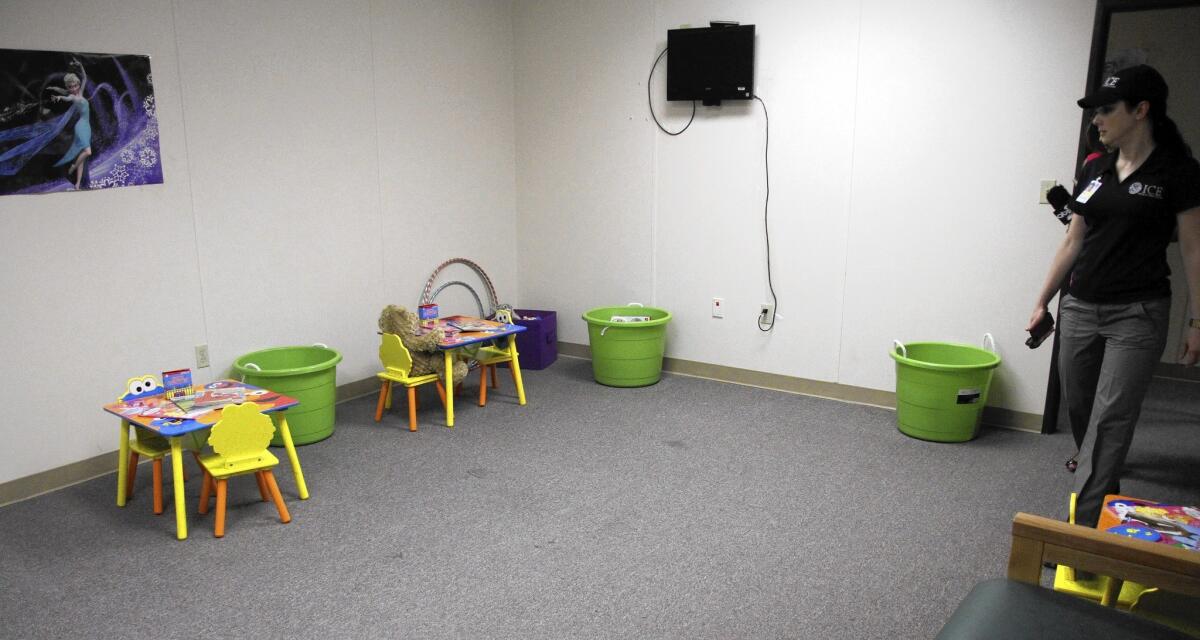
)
(1087, 193)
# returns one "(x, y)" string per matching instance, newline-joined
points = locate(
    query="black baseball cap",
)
(1132, 85)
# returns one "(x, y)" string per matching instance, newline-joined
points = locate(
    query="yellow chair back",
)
(395, 356)
(241, 436)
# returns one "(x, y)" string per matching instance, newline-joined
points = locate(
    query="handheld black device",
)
(1040, 331)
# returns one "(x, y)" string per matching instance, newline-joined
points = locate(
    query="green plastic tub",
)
(308, 374)
(627, 354)
(941, 389)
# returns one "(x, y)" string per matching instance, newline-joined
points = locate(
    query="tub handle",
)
(248, 365)
(320, 344)
(987, 338)
(604, 329)
(900, 345)
(635, 304)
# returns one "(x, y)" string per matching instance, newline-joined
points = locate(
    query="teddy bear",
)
(422, 347)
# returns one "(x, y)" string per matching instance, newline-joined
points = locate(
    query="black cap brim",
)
(1099, 98)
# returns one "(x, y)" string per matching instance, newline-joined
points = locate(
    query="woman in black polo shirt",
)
(1114, 312)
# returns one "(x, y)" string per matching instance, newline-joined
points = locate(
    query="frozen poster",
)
(76, 121)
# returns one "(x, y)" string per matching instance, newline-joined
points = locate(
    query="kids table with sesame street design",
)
(139, 413)
(466, 331)
(1169, 524)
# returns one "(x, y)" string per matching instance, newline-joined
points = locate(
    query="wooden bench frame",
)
(1037, 540)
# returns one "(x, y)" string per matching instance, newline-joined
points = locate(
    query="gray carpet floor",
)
(688, 509)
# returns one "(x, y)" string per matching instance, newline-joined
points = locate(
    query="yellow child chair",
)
(488, 357)
(239, 441)
(397, 365)
(1102, 589)
(146, 444)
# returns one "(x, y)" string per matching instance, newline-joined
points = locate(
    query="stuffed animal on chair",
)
(423, 348)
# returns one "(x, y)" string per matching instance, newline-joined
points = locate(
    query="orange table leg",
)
(262, 486)
(158, 494)
(205, 491)
(412, 408)
(284, 516)
(219, 525)
(384, 391)
(133, 460)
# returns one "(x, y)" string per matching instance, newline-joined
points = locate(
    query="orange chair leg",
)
(133, 458)
(205, 491)
(495, 385)
(383, 391)
(284, 516)
(483, 371)
(412, 408)
(262, 486)
(158, 507)
(441, 392)
(219, 526)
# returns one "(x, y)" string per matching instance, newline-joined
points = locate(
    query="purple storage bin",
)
(537, 346)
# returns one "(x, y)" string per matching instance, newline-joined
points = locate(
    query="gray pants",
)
(1107, 355)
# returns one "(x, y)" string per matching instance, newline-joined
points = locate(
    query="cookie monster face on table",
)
(140, 387)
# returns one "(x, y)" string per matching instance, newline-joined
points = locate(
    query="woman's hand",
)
(1191, 348)
(1036, 317)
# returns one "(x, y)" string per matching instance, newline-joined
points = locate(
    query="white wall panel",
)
(95, 287)
(308, 147)
(584, 157)
(907, 145)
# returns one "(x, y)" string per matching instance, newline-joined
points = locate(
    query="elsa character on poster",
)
(81, 146)
(29, 140)
(90, 125)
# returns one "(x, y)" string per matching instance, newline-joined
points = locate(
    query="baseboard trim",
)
(57, 478)
(992, 416)
(61, 477)
(357, 389)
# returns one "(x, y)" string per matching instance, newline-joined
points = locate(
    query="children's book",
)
(1175, 525)
(464, 323)
(220, 397)
(159, 407)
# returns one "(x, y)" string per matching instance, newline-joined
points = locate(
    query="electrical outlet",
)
(766, 314)
(1046, 186)
(201, 356)
(718, 308)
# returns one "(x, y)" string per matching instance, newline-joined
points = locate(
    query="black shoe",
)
(1072, 464)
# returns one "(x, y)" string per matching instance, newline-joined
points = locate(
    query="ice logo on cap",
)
(1135, 188)
(1111, 82)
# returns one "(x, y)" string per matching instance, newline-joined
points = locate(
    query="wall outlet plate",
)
(718, 307)
(201, 356)
(766, 314)
(1046, 186)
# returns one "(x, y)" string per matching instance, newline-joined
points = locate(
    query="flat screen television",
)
(711, 64)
